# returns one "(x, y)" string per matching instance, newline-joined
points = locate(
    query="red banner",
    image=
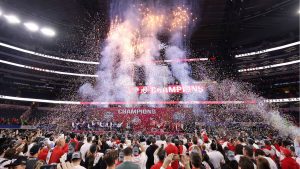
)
(143, 118)
(171, 89)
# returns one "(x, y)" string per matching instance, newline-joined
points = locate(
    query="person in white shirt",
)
(238, 152)
(195, 143)
(85, 147)
(109, 143)
(161, 141)
(141, 159)
(261, 153)
(97, 158)
(215, 157)
(51, 142)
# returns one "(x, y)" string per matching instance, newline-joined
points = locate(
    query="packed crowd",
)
(12, 121)
(33, 149)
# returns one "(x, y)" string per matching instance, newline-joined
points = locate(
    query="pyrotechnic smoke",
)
(231, 90)
(133, 42)
(272, 117)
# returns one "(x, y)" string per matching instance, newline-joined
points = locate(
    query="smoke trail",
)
(181, 27)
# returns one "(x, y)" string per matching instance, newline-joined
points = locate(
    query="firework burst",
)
(151, 21)
(181, 18)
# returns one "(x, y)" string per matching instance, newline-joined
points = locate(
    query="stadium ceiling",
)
(72, 20)
(235, 22)
(229, 21)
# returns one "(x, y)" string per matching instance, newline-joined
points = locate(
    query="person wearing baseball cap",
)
(76, 159)
(128, 160)
(19, 163)
(33, 161)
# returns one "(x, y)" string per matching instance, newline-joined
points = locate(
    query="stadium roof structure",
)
(222, 28)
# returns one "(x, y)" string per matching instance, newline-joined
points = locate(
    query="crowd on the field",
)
(32, 149)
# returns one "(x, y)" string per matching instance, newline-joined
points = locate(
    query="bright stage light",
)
(48, 32)
(33, 27)
(12, 19)
(299, 11)
(1, 12)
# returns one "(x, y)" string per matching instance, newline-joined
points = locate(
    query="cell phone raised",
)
(121, 156)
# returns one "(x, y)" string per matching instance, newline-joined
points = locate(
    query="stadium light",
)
(269, 66)
(268, 50)
(46, 70)
(12, 19)
(31, 26)
(48, 32)
(46, 56)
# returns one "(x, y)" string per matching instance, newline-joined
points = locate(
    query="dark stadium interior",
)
(243, 55)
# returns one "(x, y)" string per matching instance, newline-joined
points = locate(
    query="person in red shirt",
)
(65, 148)
(43, 154)
(179, 146)
(184, 159)
(230, 145)
(278, 144)
(74, 141)
(172, 149)
(268, 148)
(288, 162)
(57, 151)
(161, 156)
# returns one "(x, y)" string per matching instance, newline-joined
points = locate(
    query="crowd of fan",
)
(10, 121)
(30, 149)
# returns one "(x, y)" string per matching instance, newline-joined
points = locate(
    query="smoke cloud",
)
(133, 41)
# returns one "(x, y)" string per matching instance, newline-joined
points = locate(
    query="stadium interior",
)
(51, 50)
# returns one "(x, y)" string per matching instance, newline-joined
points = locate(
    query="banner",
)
(171, 89)
(151, 118)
